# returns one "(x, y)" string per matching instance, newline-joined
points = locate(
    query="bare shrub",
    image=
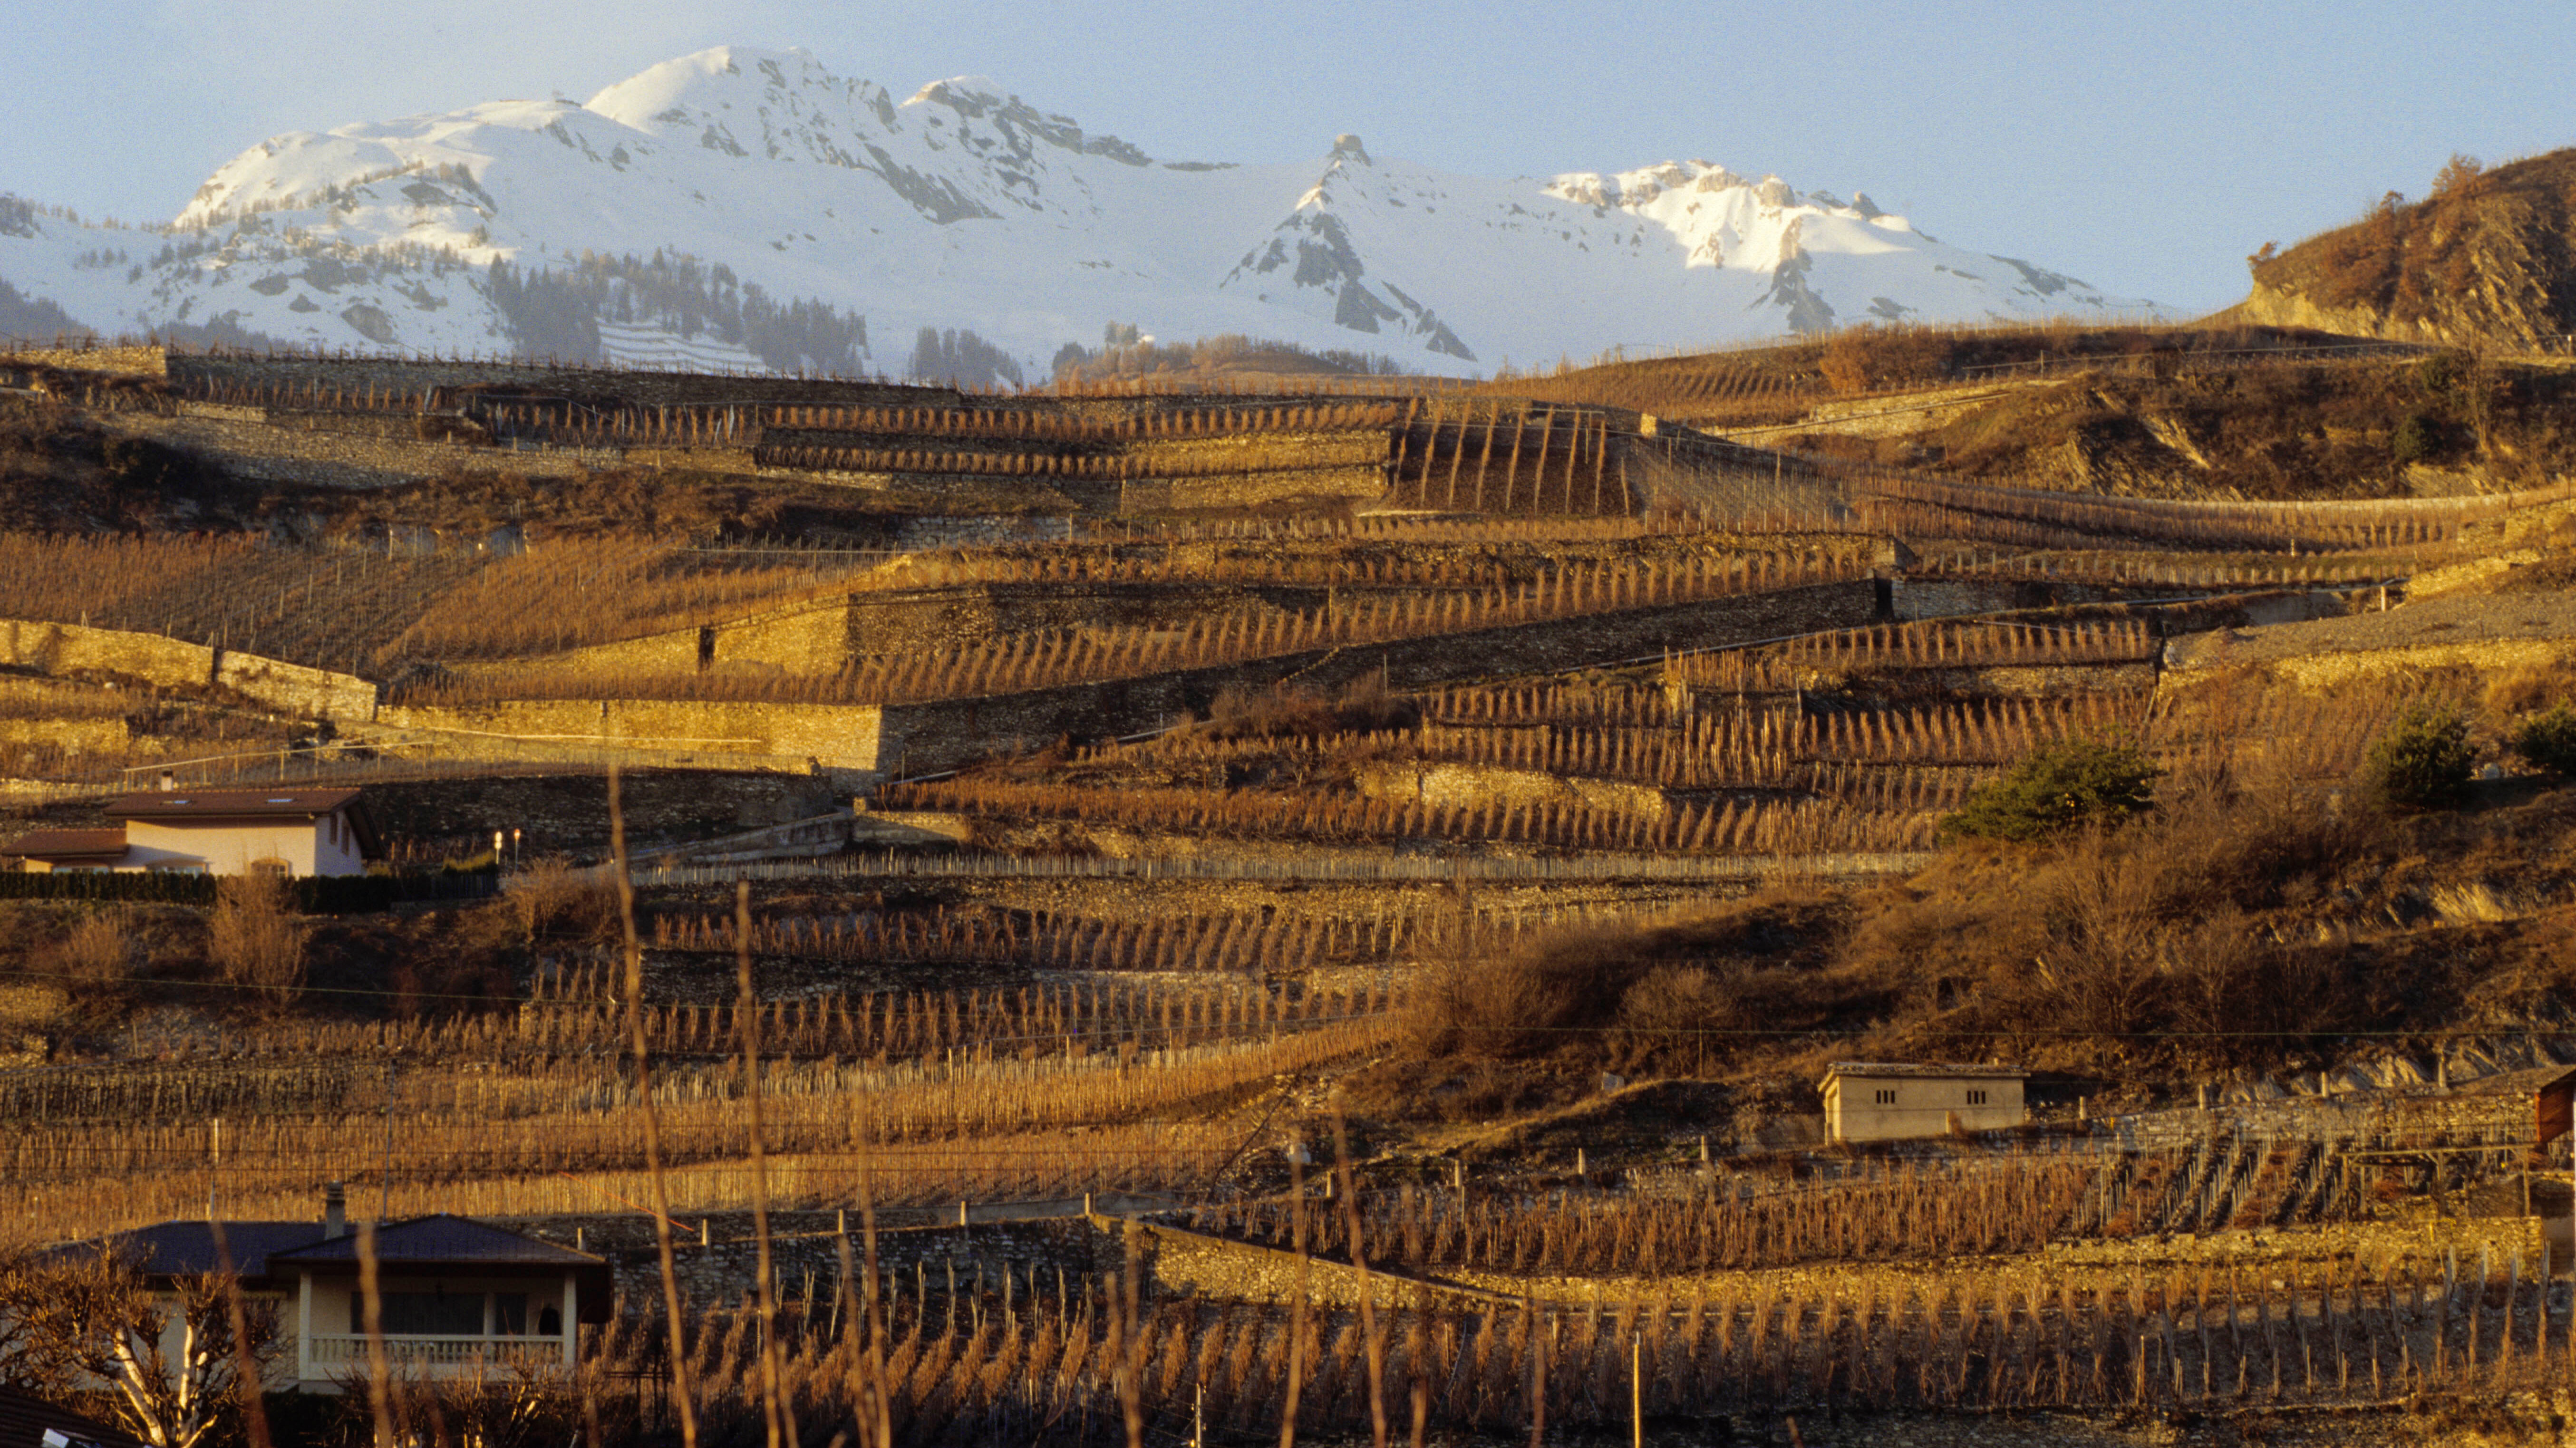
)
(2522, 690)
(2147, 937)
(256, 940)
(1680, 994)
(1869, 357)
(1239, 712)
(552, 892)
(100, 952)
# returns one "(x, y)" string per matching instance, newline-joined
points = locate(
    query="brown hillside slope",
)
(2489, 258)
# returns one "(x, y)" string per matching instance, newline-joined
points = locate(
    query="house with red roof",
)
(287, 832)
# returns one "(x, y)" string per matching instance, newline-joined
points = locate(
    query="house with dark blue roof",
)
(454, 1297)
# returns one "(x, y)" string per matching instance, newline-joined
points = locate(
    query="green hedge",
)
(159, 886)
(314, 895)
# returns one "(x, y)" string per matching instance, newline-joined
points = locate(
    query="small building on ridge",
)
(1891, 1101)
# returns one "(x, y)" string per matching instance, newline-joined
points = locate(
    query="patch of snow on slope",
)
(962, 205)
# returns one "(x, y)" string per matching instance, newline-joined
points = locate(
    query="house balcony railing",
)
(411, 1353)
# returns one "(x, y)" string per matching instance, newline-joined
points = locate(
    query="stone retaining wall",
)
(108, 735)
(2322, 1118)
(834, 736)
(69, 649)
(65, 649)
(316, 693)
(1473, 786)
(923, 738)
(642, 388)
(125, 361)
(808, 640)
(1251, 490)
(943, 734)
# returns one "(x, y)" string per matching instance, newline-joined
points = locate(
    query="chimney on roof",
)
(335, 1211)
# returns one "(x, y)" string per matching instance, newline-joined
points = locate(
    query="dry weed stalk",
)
(780, 1424)
(641, 1050)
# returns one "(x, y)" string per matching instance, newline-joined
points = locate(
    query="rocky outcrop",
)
(2488, 260)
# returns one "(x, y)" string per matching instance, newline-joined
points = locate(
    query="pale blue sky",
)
(2143, 147)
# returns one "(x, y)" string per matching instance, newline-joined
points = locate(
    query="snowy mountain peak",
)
(752, 207)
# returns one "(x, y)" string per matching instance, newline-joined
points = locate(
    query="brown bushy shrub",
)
(101, 951)
(1870, 357)
(1677, 996)
(255, 938)
(552, 895)
(1363, 706)
(2148, 939)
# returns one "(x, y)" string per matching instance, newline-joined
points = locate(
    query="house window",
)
(271, 868)
(1976, 1098)
(509, 1314)
(1886, 1096)
(422, 1314)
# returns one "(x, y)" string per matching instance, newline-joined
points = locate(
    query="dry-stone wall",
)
(315, 693)
(921, 738)
(70, 649)
(2355, 1116)
(64, 649)
(830, 736)
(917, 738)
(198, 371)
(807, 640)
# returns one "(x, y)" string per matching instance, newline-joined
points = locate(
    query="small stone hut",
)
(1890, 1101)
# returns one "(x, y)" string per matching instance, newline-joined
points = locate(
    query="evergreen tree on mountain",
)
(959, 358)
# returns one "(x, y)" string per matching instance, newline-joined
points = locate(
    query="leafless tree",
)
(170, 1363)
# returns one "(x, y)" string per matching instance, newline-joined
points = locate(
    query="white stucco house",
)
(455, 1297)
(1890, 1101)
(287, 832)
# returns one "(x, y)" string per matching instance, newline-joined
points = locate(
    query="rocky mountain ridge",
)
(752, 208)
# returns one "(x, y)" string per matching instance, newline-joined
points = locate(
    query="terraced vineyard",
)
(1329, 908)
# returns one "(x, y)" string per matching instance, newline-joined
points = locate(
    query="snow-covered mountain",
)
(750, 208)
